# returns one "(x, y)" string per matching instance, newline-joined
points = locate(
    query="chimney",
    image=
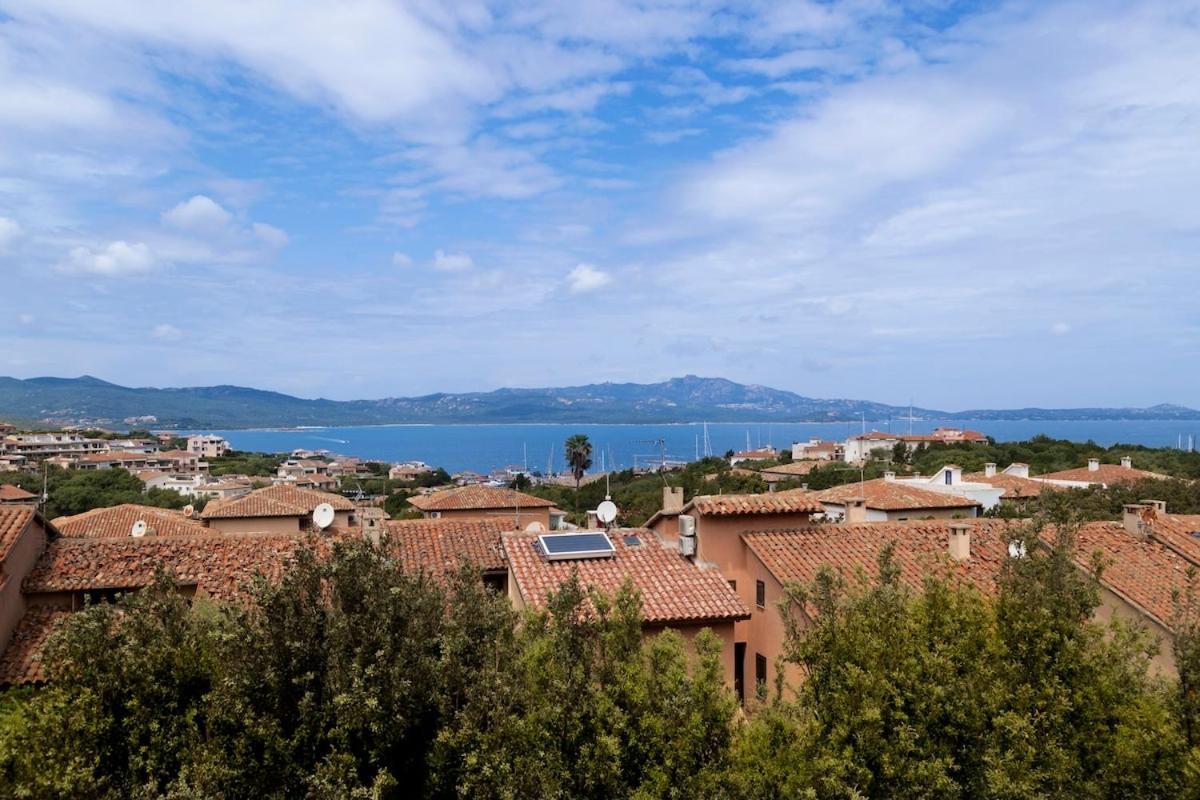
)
(1159, 506)
(1131, 518)
(856, 510)
(1126, 462)
(960, 541)
(889, 476)
(1018, 469)
(672, 499)
(1093, 465)
(989, 470)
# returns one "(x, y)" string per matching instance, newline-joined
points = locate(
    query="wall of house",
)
(507, 515)
(765, 633)
(722, 630)
(1113, 606)
(21, 557)
(879, 515)
(281, 525)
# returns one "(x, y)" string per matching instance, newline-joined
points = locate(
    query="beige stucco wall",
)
(20, 560)
(281, 525)
(1114, 606)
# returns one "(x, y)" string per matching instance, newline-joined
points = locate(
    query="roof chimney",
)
(672, 499)
(1159, 506)
(1093, 465)
(989, 470)
(960, 541)
(889, 476)
(1126, 462)
(1131, 518)
(1018, 469)
(856, 510)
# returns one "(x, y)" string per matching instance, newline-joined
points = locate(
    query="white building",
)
(207, 446)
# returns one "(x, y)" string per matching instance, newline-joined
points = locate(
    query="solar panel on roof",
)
(632, 541)
(565, 546)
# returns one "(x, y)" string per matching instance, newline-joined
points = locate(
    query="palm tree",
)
(578, 452)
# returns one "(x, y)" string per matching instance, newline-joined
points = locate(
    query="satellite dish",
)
(189, 510)
(323, 516)
(606, 512)
(1016, 549)
(535, 527)
(139, 529)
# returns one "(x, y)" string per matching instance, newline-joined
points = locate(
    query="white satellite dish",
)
(139, 529)
(1016, 549)
(189, 510)
(535, 527)
(323, 516)
(606, 512)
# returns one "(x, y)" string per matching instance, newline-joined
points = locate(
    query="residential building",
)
(15, 494)
(1097, 474)
(1014, 483)
(117, 522)
(517, 509)
(950, 480)
(282, 508)
(817, 450)
(789, 471)
(676, 593)
(207, 446)
(883, 500)
(36, 446)
(440, 547)
(408, 471)
(758, 454)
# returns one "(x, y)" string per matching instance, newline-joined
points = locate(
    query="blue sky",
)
(979, 204)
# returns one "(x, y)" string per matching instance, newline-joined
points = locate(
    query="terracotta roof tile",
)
(15, 494)
(920, 548)
(14, 519)
(888, 495)
(220, 565)
(471, 498)
(792, 501)
(251, 505)
(437, 546)
(792, 468)
(308, 499)
(117, 522)
(22, 660)
(673, 589)
(1015, 487)
(1105, 473)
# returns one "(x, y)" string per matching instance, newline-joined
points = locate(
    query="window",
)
(949, 477)
(760, 672)
(760, 594)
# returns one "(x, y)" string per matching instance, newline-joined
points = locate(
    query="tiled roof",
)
(673, 589)
(437, 546)
(14, 518)
(888, 495)
(792, 501)
(792, 468)
(251, 505)
(470, 498)
(1141, 569)
(920, 548)
(1177, 531)
(1106, 473)
(308, 499)
(218, 564)
(1015, 487)
(117, 522)
(14, 494)
(22, 660)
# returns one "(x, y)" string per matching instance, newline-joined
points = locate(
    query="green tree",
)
(578, 453)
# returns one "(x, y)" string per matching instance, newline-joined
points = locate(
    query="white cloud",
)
(199, 214)
(452, 262)
(117, 259)
(269, 234)
(9, 232)
(401, 259)
(586, 278)
(166, 332)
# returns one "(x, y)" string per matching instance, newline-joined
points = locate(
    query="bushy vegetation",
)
(351, 679)
(239, 462)
(75, 491)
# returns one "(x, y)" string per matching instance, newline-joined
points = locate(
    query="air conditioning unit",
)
(687, 525)
(687, 545)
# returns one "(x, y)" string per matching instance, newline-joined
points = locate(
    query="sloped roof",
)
(1015, 487)
(793, 468)
(308, 499)
(117, 522)
(920, 548)
(219, 564)
(1105, 473)
(888, 495)
(14, 494)
(673, 589)
(437, 546)
(476, 498)
(251, 505)
(21, 661)
(792, 501)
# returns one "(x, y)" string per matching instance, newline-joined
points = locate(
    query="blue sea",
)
(483, 448)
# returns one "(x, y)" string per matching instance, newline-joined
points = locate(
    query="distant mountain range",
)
(686, 399)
